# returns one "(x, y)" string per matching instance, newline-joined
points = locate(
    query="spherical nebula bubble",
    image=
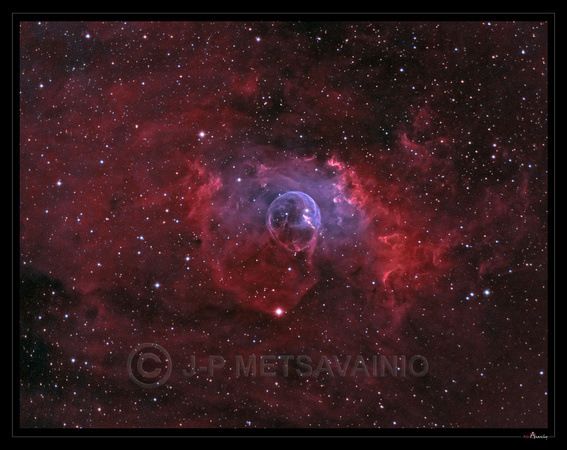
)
(293, 220)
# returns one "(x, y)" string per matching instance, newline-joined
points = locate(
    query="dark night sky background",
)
(150, 152)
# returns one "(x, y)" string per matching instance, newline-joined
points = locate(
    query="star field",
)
(149, 154)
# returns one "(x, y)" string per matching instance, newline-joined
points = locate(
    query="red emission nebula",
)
(150, 153)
